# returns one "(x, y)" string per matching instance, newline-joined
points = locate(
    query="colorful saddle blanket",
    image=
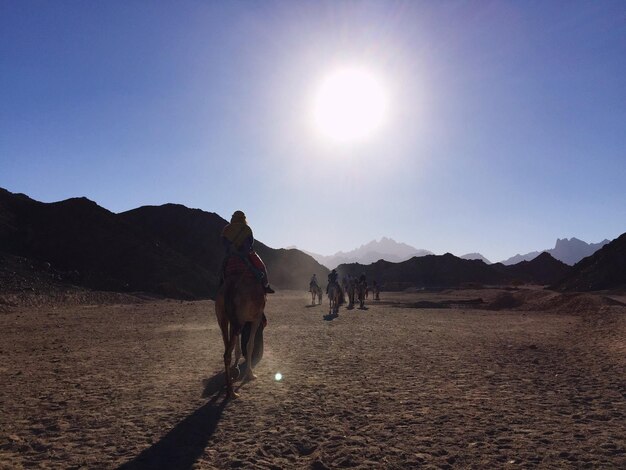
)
(239, 266)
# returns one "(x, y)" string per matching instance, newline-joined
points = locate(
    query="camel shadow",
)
(214, 385)
(331, 316)
(181, 447)
(312, 306)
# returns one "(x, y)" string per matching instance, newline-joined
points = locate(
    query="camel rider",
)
(332, 279)
(313, 282)
(362, 279)
(239, 241)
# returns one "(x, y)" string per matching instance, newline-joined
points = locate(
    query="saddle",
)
(237, 265)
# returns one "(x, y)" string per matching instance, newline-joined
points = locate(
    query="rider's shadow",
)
(181, 447)
(214, 385)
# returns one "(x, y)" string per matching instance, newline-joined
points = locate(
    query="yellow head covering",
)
(238, 217)
(238, 231)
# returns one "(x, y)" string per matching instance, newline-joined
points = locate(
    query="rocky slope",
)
(169, 250)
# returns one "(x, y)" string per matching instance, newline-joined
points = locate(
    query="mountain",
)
(449, 271)
(170, 250)
(573, 250)
(542, 270)
(430, 271)
(570, 251)
(196, 234)
(475, 256)
(605, 269)
(386, 249)
(106, 252)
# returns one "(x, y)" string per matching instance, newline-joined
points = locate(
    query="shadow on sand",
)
(331, 316)
(185, 443)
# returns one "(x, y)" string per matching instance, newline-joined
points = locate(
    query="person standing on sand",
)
(238, 241)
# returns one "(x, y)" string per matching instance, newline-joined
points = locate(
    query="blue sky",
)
(506, 126)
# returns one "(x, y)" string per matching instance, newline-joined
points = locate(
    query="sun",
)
(350, 105)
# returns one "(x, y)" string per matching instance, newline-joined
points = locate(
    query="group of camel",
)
(352, 289)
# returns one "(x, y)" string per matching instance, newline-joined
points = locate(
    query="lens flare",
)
(278, 377)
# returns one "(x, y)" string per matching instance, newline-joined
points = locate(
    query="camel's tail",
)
(229, 308)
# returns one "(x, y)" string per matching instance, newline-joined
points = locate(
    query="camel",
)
(239, 300)
(362, 290)
(316, 291)
(351, 291)
(334, 295)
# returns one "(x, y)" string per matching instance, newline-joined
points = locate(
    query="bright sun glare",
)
(350, 105)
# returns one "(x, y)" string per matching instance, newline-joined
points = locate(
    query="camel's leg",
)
(225, 328)
(222, 321)
(228, 356)
(237, 349)
(250, 348)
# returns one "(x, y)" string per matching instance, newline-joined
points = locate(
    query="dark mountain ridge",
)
(543, 270)
(176, 251)
(449, 271)
(569, 251)
(605, 269)
(169, 250)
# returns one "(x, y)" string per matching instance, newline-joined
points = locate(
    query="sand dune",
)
(416, 380)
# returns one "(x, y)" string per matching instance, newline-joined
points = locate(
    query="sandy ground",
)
(421, 380)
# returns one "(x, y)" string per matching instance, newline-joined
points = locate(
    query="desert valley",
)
(460, 364)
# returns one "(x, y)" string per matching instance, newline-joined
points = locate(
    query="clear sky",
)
(505, 123)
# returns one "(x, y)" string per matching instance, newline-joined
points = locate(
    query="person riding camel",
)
(238, 241)
(313, 282)
(332, 279)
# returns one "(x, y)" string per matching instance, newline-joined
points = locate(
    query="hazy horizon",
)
(499, 127)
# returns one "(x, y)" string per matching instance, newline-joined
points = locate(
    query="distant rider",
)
(332, 279)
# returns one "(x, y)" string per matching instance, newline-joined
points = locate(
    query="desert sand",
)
(453, 379)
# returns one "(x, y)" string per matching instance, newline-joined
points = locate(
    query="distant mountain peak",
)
(385, 248)
(568, 250)
(476, 256)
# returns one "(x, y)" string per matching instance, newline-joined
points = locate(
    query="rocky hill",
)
(449, 271)
(569, 251)
(169, 250)
(196, 234)
(431, 271)
(543, 270)
(605, 269)
(475, 256)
